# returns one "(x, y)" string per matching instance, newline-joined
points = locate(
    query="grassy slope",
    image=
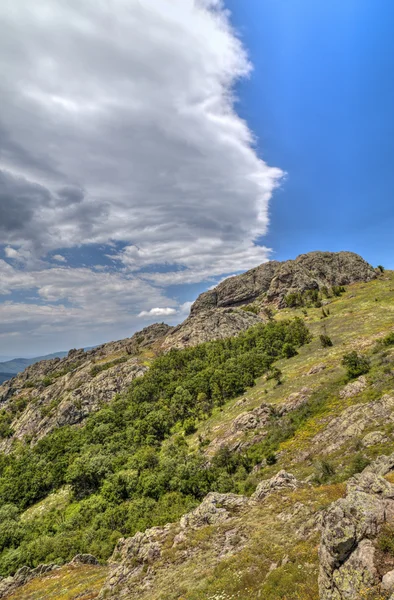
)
(274, 545)
(83, 582)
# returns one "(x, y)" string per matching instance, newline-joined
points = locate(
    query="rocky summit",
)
(246, 453)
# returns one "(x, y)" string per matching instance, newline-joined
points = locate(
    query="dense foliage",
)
(130, 467)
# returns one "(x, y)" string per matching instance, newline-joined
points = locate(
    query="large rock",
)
(353, 422)
(281, 481)
(274, 280)
(348, 564)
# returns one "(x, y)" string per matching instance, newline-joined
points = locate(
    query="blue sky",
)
(321, 102)
(149, 151)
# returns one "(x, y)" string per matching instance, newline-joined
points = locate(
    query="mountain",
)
(223, 458)
(5, 376)
(16, 365)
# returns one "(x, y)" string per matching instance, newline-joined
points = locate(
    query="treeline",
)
(129, 467)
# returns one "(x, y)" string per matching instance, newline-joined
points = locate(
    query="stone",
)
(388, 582)
(281, 481)
(316, 369)
(84, 559)
(215, 508)
(354, 388)
(253, 419)
(349, 527)
(373, 438)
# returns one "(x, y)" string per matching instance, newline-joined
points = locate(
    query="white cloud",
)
(118, 124)
(59, 258)
(158, 312)
(119, 121)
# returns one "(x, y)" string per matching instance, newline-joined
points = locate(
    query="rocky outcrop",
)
(210, 325)
(349, 558)
(26, 574)
(354, 422)
(273, 280)
(58, 392)
(140, 556)
(281, 481)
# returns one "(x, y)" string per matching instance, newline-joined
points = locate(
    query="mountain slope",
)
(315, 424)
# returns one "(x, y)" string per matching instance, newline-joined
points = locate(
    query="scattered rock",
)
(23, 576)
(293, 401)
(354, 388)
(215, 508)
(253, 419)
(316, 369)
(280, 481)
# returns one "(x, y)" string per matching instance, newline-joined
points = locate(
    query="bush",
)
(356, 364)
(288, 350)
(389, 339)
(381, 269)
(251, 308)
(325, 340)
(338, 290)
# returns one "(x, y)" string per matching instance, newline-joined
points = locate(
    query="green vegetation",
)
(96, 369)
(325, 340)
(312, 298)
(130, 467)
(356, 364)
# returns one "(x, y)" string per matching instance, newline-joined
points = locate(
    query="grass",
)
(68, 583)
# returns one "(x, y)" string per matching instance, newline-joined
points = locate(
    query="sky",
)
(150, 148)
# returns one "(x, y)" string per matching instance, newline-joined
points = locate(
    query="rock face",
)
(210, 325)
(349, 564)
(353, 422)
(274, 280)
(58, 392)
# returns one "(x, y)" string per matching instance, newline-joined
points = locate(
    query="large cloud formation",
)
(118, 126)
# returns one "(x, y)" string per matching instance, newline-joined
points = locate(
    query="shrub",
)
(381, 269)
(356, 364)
(338, 290)
(251, 308)
(294, 299)
(324, 470)
(288, 350)
(325, 340)
(271, 458)
(389, 339)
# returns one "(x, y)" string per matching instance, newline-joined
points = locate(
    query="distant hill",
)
(19, 364)
(5, 376)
